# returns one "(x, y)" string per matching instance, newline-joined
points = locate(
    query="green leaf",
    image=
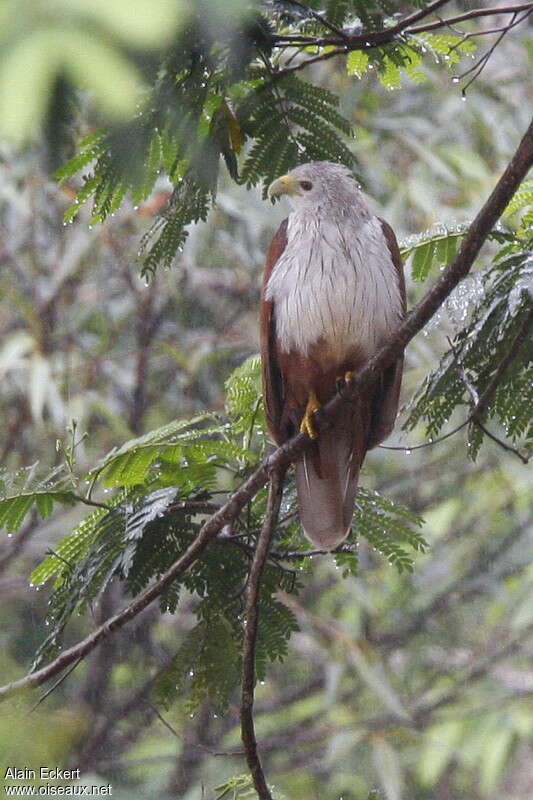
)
(421, 262)
(389, 74)
(357, 63)
(207, 663)
(73, 547)
(131, 468)
(89, 149)
(244, 398)
(131, 461)
(523, 197)
(13, 510)
(438, 749)
(435, 247)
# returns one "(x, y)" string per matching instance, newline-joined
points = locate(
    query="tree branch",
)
(250, 634)
(370, 39)
(366, 41)
(284, 455)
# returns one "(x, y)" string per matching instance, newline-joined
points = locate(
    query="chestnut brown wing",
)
(273, 393)
(386, 398)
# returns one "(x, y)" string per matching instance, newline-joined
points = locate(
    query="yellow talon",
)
(307, 425)
(348, 376)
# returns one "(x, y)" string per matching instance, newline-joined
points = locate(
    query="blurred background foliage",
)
(83, 337)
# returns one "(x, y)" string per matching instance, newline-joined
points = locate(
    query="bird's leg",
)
(342, 380)
(308, 425)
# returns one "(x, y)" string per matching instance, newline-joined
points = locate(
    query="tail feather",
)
(326, 481)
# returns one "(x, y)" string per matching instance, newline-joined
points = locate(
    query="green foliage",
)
(176, 449)
(438, 246)
(522, 198)
(243, 397)
(209, 100)
(357, 63)
(467, 367)
(291, 122)
(522, 204)
(240, 787)
(13, 509)
(448, 46)
(24, 490)
(221, 99)
(435, 247)
(393, 60)
(389, 527)
(72, 549)
(207, 665)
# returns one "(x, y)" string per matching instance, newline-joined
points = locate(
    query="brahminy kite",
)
(333, 293)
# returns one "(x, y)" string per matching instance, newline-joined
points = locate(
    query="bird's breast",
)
(334, 282)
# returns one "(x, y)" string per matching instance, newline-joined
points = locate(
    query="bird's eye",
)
(306, 185)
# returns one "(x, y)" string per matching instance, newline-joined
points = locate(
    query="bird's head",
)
(318, 184)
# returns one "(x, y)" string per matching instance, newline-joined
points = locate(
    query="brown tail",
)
(326, 480)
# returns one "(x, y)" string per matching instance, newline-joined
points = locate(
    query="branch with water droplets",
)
(346, 43)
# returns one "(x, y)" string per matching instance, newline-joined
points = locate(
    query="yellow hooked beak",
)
(284, 185)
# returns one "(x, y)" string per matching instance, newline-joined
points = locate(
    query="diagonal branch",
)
(251, 620)
(284, 455)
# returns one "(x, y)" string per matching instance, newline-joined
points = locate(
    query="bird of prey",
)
(333, 293)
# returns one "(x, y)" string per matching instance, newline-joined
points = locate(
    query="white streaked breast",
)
(335, 281)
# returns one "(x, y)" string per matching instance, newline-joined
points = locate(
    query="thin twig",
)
(251, 619)
(414, 322)
(88, 502)
(161, 719)
(410, 448)
(473, 14)
(504, 445)
(299, 555)
(54, 686)
(480, 65)
(487, 31)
